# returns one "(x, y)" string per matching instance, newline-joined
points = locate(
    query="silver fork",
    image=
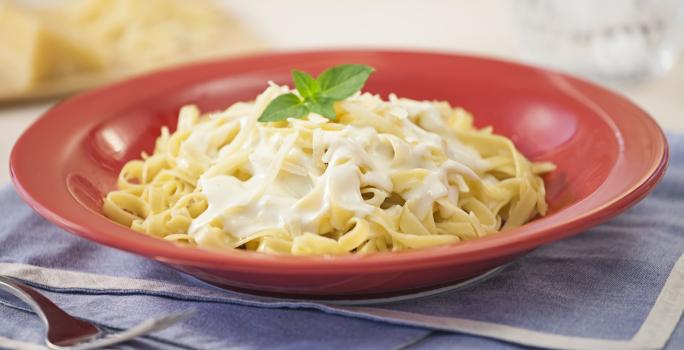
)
(63, 331)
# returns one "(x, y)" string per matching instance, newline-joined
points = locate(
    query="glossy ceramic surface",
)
(609, 154)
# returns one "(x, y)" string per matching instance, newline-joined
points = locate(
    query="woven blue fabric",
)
(600, 284)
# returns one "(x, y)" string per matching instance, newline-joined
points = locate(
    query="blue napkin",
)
(617, 286)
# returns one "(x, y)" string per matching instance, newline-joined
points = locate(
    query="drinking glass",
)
(612, 40)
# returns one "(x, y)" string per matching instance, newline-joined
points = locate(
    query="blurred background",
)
(50, 49)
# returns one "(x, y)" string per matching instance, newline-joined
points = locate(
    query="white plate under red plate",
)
(609, 154)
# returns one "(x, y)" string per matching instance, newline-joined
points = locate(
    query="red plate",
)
(609, 154)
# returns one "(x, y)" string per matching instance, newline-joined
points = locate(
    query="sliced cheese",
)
(138, 33)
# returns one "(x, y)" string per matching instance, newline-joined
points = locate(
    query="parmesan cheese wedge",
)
(33, 50)
(49, 50)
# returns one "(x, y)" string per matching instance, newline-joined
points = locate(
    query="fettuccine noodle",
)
(385, 176)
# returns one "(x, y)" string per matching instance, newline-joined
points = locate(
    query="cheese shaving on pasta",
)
(385, 176)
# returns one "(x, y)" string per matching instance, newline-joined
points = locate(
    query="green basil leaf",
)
(284, 106)
(322, 106)
(340, 82)
(305, 83)
(318, 95)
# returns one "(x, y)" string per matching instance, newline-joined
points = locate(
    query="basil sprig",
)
(317, 95)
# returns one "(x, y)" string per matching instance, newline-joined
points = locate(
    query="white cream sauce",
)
(294, 190)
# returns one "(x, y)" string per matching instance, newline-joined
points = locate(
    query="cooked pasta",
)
(384, 176)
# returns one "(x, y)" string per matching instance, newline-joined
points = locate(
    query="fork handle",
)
(59, 324)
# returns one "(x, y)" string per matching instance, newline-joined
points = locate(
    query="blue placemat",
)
(617, 286)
